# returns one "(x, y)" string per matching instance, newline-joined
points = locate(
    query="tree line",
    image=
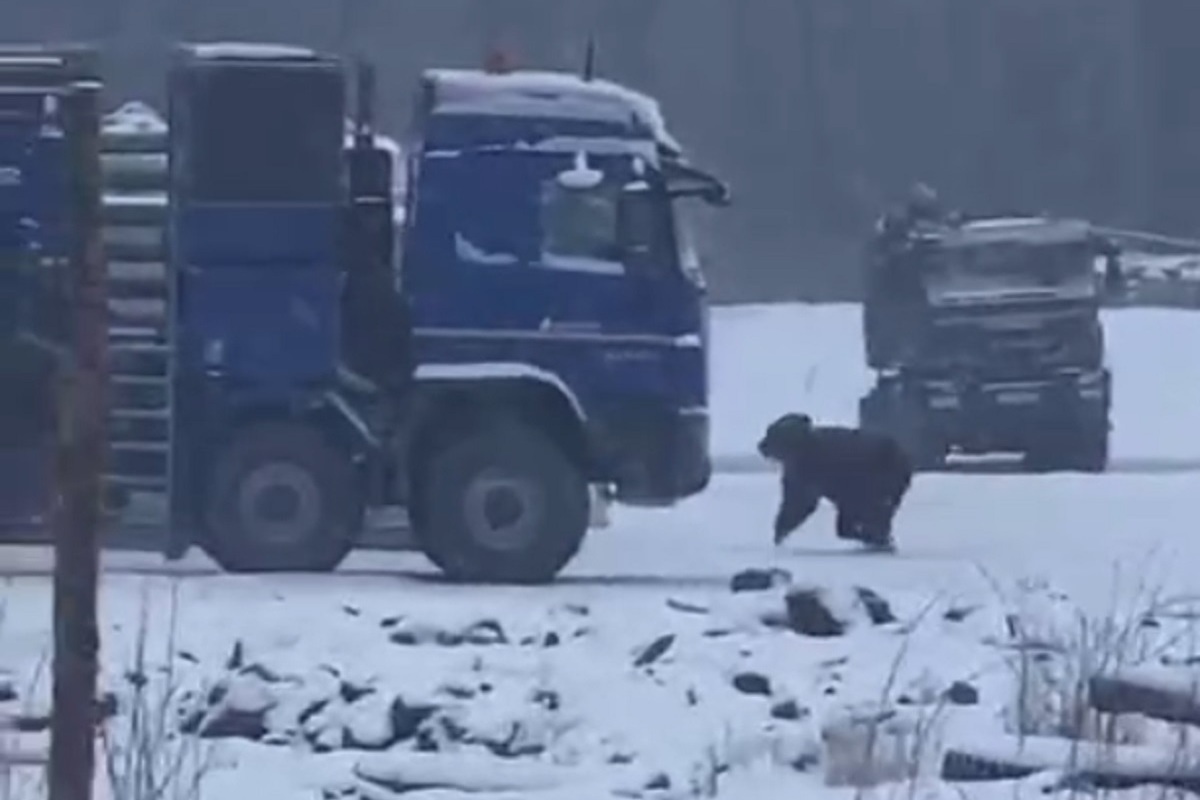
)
(819, 112)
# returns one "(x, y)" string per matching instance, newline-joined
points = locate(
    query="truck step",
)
(139, 446)
(128, 309)
(137, 346)
(139, 380)
(122, 332)
(137, 271)
(128, 413)
(136, 482)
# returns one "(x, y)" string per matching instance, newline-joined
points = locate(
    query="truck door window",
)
(647, 233)
(580, 223)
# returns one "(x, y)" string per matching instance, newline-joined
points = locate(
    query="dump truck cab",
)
(986, 337)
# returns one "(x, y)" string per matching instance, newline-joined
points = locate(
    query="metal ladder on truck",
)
(140, 303)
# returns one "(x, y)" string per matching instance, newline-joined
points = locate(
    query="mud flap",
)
(600, 507)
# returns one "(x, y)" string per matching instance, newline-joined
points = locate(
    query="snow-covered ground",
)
(642, 674)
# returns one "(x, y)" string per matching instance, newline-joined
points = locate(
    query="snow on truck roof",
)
(250, 51)
(535, 93)
(1026, 230)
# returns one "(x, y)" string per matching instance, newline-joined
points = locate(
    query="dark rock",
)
(31, 723)
(216, 694)
(958, 614)
(718, 633)
(136, 678)
(685, 607)
(752, 683)
(184, 655)
(459, 692)
(551, 640)
(352, 611)
(189, 721)
(1151, 623)
(578, 609)
(655, 650)
(259, 671)
(962, 693)
(693, 699)
(830, 691)
(808, 614)
(426, 741)
(757, 580)
(788, 710)
(390, 622)
(658, 782)
(407, 719)
(806, 762)
(484, 632)
(879, 611)
(310, 711)
(238, 706)
(107, 705)
(485, 688)
(234, 723)
(547, 699)
(352, 693)
(236, 657)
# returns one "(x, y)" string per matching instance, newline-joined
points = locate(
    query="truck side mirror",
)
(580, 177)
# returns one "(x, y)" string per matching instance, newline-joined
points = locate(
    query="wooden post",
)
(76, 516)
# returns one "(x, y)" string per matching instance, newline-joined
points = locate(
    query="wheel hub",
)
(503, 512)
(279, 503)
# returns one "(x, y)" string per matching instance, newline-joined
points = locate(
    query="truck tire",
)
(889, 410)
(281, 499)
(1084, 451)
(1092, 453)
(502, 505)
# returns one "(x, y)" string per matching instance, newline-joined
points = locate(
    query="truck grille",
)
(1015, 345)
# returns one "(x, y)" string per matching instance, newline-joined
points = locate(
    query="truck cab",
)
(543, 247)
(278, 368)
(986, 337)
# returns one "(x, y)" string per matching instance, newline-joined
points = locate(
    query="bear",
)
(864, 474)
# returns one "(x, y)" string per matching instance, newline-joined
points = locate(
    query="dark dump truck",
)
(985, 337)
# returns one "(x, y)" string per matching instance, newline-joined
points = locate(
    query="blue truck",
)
(533, 342)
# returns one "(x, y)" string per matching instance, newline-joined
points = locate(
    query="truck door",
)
(31, 209)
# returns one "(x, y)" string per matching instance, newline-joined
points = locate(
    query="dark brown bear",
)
(865, 475)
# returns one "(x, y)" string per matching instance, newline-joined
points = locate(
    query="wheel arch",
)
(454, 399)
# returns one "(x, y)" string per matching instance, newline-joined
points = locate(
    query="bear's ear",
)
(795, 424)
(788, 431)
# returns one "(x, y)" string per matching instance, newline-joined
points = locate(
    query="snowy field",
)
(643, 674)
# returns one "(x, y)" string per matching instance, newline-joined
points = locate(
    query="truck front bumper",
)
(986, 415)
(653, 458)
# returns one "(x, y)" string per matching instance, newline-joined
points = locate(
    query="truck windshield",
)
(1007, 267)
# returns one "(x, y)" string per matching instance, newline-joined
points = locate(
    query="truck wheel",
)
(503, 505)
(1086, 451)
(890, 411)
(1091, 451)
(281, 499)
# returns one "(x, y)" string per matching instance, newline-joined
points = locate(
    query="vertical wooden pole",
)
(79, 464)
